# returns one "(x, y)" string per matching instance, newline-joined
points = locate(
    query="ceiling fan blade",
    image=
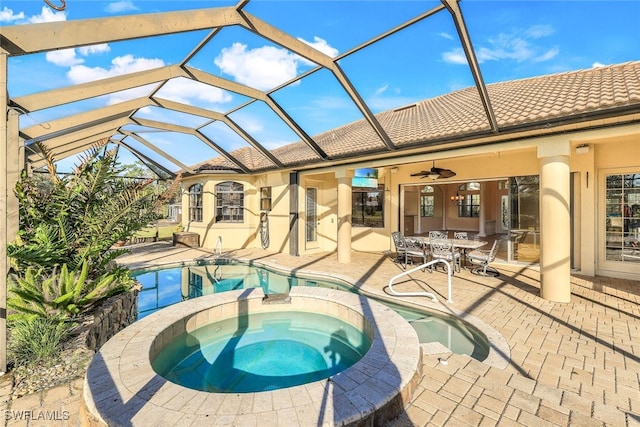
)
(435, 173)
(446, 173)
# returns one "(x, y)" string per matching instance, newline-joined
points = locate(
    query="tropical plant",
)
(64, 293)
(77, 218)
(34, 339)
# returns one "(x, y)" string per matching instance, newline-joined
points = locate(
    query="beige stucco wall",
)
(247, 233)
(487, 164)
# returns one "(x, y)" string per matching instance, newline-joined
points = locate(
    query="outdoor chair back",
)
(443, 249)
(408, 248)
(438, 234)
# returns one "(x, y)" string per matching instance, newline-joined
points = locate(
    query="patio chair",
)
(481, 258)
(461, 235)
(408, 249)
(438, 235)
(443, 249)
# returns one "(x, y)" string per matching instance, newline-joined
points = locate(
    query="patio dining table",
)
(464, 244)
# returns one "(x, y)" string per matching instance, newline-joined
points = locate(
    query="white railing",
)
(423, 293)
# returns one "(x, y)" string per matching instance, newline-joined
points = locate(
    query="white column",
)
(344, 216)
(555, 221)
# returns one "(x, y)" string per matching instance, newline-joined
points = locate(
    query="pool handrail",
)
(423, 293)
(218, 246)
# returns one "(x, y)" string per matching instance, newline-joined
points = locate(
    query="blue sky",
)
(512, 40)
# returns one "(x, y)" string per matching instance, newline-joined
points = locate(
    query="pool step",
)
(276, 299)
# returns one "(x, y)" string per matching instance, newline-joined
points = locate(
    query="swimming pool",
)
(166, 286)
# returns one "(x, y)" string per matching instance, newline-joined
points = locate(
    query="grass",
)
(165, 231)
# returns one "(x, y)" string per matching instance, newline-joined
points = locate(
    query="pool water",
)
(260, 352)
(167, 286)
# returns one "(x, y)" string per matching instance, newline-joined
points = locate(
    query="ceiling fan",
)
(435, 173)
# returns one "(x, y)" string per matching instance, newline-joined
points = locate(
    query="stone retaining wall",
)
(111, 317)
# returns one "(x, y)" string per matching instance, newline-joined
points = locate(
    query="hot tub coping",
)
(121, 387)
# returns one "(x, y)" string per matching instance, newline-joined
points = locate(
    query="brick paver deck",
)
(575, 364)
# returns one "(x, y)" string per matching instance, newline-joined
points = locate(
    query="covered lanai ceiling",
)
(188, 103)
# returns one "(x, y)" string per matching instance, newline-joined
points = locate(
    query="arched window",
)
(469, 205)
(229, 202)
(427, 201)
(195, 203)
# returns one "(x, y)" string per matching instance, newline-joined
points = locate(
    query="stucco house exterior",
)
(564, 170)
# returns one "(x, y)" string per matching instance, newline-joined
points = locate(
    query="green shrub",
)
(64, 293)
(35, 339)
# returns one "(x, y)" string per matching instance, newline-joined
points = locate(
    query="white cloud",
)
(539, 31)
(120, 6)
(268, 66)
(262, 68)
(184, 90)
(119, 65)
(7, 15)
(598, 65)
(47, 15)
(94, 49)
(445, 35)
(69, 57)
(455, 56)
(322, 46)
(63, 58)
(381, 90)
(550, 54)
(519, 46)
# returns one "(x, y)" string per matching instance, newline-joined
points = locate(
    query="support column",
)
(482, 220)
(344, 216)
(294, 209)
(555, 221)
(401, 210)
(4, 237)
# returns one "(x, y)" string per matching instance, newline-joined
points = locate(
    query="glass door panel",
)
(311, 232)
(524, 212)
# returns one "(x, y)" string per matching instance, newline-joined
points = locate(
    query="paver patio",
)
(565, 364)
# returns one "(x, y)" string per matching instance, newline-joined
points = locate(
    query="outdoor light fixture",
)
(582, 149)
(457, 198)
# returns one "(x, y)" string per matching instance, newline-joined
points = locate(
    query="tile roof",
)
(575, 96)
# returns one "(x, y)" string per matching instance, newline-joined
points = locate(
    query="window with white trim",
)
(622, 217)
(195, 203)
(229, 197)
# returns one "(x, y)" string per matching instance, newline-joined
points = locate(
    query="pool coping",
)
(121, 387)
